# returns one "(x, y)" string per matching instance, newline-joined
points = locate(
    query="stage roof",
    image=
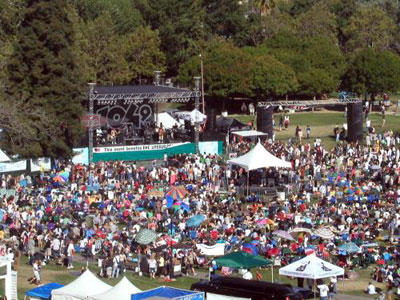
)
(138, 93)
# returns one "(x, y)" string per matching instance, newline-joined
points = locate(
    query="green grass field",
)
(322, 124)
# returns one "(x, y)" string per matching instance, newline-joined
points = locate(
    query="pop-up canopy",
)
(121, 291)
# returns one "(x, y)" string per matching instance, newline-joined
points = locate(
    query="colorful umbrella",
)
(324, 233)
(176, 192)
(349, 248)
(146, 236)
(58, 179)
(300, 229)
(265, 222)
(283, 234)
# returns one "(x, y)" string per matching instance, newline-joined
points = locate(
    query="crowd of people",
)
(352, 190)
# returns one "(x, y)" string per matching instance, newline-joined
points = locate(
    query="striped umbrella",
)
(176, 192)
(145, 237)
(324, 233)
(58, 179)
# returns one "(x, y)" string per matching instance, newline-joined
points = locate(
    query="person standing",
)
(383, 112)
(70, 254)
(323, 291)
(152, 267)
(308, 132)
(247, 275)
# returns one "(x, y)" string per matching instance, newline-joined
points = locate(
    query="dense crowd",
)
(352, 190)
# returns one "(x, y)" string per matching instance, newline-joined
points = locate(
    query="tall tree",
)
(43, 75)
(370, 26)
(372, 72)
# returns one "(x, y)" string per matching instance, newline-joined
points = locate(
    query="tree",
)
(372, 72)
(43, 75)
(105, 60)
(269, 78)
(318, 21)
(370, 26)
(143, 54)
(226, 70)
(180, 24)
(124, 14)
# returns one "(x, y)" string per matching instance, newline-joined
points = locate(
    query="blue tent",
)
(169, 293)
(44, 291)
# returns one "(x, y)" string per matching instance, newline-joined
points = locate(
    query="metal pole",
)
(202, 83)
(196, 105)
(91, 112)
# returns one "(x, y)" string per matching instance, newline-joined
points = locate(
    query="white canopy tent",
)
(4, 157)
(249, 133)
(84, 286)
(258, 158)
(194, 116)
(167, 120)
(311, 267)
(121, 291)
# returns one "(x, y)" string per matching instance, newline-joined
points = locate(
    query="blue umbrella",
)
(349, 248)
(195, 221)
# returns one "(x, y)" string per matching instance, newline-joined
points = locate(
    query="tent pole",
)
(272, 273)
(315, 289)
(248, 182)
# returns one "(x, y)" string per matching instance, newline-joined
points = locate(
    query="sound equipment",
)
(211, 119)
(264, 120)
(187, 125)
(355, 122)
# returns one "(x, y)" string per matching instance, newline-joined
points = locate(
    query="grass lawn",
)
(322, 124)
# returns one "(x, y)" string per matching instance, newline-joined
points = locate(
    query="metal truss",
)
(308, 102)
(152, 97)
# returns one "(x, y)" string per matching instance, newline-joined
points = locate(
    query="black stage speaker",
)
(264, 120)
(355, 122)
(211, 119)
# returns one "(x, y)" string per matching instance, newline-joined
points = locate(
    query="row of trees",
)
(50, 49)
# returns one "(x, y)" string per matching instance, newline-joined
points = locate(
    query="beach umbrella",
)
(64, 175)
(195, 221)
(145, 237)
(324, 233)
(349, 248)
(299, 230)
(176, 192)
(283, 234)
(265, 222)
(58, 179)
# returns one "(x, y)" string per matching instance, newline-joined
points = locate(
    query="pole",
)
(202, 83)
(272, 273)
(91, 112)
(248, 182)
(196, 105)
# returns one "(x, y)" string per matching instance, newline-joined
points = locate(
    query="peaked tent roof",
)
(166, 119)
(85, 285)
(225, 124)
(311, 267)
(258, 158)
(242, 259)
(3, 156)
(121, 291)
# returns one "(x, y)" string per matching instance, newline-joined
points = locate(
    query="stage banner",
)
(81, 156)
(141, 152)
(212, 148)
(40, 163)
(13, 166)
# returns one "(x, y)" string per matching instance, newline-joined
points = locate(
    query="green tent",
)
(242, 260)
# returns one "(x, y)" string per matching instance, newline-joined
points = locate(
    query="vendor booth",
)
(42, 292)
(121, 291)
(168, 293)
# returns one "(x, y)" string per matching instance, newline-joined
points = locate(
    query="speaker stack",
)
(355, 122)
(264, 120)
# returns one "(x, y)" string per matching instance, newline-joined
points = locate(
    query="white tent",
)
(197, 117)
(84, 286)
(3, 156)
(121, 291)
(167, 120)
(258, 158)
(311, 267)
(248, 133)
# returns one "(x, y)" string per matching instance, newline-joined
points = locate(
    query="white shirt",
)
(248, 275)
(323, 290)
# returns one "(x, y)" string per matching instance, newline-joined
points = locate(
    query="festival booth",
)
(42, 292)
(168, 293)
(4, 157)
(84, 286)
(227, 125)
(242, 260)
(258, 158)
(311, 267)
(121, 291)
